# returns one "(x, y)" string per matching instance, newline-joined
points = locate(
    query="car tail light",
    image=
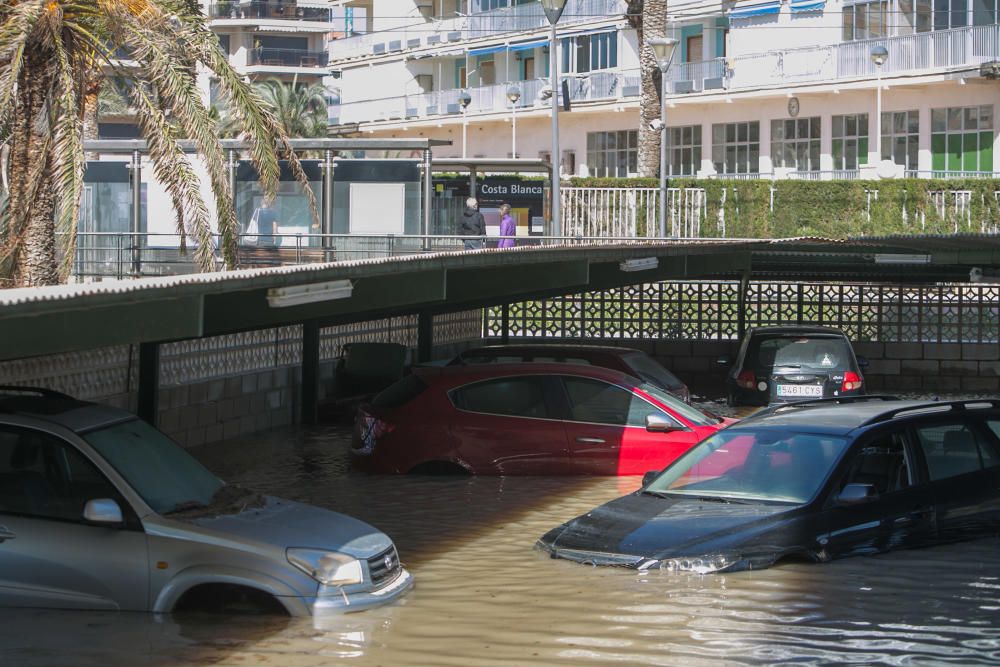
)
(746, 380)
(852, 381)
(371, 430)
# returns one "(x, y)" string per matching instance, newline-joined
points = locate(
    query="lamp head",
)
(663, 49)
(465, 99)
(879, 55)
(513, 94)
(553, 9)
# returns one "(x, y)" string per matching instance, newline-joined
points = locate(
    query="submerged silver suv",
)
(99, 510)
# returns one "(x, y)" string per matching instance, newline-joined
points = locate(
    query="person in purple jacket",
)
(508, 229)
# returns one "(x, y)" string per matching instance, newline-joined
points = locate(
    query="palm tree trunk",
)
(91, 94)
(653, 24)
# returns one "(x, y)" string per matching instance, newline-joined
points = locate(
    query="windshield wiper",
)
(186, 506)
(658, 494)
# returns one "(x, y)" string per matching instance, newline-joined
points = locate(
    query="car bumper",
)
(331, 599)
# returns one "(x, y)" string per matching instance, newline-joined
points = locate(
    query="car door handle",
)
(6, 534)
(591, 441)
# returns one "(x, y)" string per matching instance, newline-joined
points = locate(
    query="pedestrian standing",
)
(507, 227)
(473, 224)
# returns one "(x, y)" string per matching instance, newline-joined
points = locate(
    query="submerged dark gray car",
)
(813, 480)
(99, 510)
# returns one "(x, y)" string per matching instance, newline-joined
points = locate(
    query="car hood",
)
(285, 523)
(648, 526)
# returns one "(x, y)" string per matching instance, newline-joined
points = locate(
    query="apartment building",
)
(757, 88)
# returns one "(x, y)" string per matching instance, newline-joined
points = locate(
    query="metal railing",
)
(479, 25)
(288, 57)
(282, 11)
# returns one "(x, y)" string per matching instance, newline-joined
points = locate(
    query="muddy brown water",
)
(484, 596)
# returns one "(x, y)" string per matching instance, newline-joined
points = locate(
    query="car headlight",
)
(697, 564)
(327, 567)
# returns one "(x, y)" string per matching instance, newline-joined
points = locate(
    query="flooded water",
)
(484, 596)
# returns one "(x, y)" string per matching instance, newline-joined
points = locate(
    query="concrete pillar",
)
(310, 371)
(505, 323)
(149, 382)
(425, 336)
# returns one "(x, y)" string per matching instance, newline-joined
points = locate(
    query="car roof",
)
(841, 416)
(474, 372)
(549, 347)
(794, 330)
(64, 411)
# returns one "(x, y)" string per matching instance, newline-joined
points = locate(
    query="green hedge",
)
(833, 209)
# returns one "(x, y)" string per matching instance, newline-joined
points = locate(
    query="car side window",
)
(951, 449)
(991, 457)
(882, 463)
(511, 396)
(43, 476)
(599, 402)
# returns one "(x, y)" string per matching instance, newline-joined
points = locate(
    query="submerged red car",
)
(525, 419)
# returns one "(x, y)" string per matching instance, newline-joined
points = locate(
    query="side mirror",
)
(862, 362)
(724, 360)
(649, 477)
(660, 424)
(102, 510)
(856, 494)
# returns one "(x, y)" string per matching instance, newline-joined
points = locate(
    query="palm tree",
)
(301, 110)
(51, 52)
(649, 18)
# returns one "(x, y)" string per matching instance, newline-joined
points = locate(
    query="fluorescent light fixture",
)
(643, 264)
(296, 295)
(902, 259)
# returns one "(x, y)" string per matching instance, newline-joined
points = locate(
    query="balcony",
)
(281, 58)
(593, 87)
(256, 13)
(519, 18)
(924, 52)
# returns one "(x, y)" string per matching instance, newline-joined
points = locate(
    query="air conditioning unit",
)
(990, 70)
(426, 9)
(425, 82)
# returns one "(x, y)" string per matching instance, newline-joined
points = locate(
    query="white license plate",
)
(805, 390)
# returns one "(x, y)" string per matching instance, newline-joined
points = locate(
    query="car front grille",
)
(384, 567)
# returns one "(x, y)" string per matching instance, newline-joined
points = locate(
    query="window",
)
(962, 139)
(511, 396)
(613, 154)
(588, 53)
(43, 476)
(224, 43)
(736, 148)
(400, 393)
(850, 141)
(901, 137)
(865, 20)
(954, 449)
(795, 143)
(598, 402)
(683, 150)
(881, 464)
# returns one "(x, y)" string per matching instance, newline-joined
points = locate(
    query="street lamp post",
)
(879, 55)
(464, 100)
(553, 10)
(663, 49)
(513, 94)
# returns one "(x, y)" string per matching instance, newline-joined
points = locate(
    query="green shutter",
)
(986, 151)
(939, 153)
(970, 152)
(954, 152)
(863, 150)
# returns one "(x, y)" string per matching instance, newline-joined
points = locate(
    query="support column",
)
(149, 382)
(505, 323)
(327, 228)
(425, 336)
(136, 213)
(310, 371)
(741, 306)
(427, 200)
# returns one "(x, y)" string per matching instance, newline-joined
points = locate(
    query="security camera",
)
(976, 275)
(656, 125)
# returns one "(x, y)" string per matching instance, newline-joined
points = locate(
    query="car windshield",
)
(825, 353)
(760, 465)
(647, 369)
(688, 412)
(167, 477)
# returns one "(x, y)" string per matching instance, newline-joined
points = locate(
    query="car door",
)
(49, 555)
(963, 468)
(901, 515)
(606, 430)
(507, 426)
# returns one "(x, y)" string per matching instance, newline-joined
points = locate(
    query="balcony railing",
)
(288, 58)
(943, 49)
(595, 86)
(519, 18)
(282, 11)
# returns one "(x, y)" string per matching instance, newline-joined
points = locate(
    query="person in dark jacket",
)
(472, 224)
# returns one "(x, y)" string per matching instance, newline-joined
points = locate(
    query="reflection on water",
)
(485, 596)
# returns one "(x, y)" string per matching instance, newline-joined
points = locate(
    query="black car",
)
(813, 481)
(781, 364)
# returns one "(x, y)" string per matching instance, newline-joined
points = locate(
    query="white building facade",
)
(757, 88)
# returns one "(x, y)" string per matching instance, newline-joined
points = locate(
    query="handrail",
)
(946, 406)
